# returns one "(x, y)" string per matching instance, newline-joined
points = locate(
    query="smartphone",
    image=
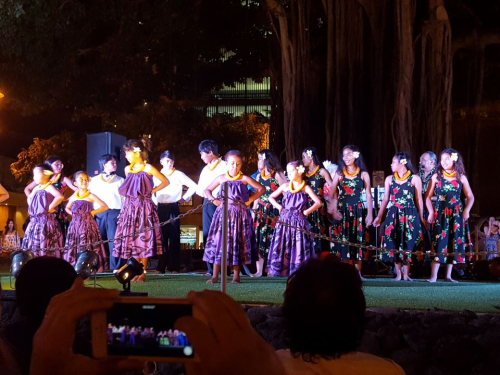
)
(143, 328)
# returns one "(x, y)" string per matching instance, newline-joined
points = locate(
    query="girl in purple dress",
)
(138, 211)
(241, 247)
(290, 246)
(43, 230)
(83, 229)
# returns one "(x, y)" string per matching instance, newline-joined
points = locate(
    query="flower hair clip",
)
(309, 153)
(137, 149)
(327, 164)
(454, 156)
(355, 154)
(263, 156)
(403, 161)
(301, 169)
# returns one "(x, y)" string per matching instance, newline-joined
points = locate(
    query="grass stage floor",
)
(417, 295)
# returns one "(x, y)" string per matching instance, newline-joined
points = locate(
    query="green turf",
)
(418, 295)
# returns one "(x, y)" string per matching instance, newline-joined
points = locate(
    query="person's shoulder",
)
(373, 364)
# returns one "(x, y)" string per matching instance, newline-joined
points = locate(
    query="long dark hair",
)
(7, 225)
(360, 162)
(457, 165)
(403, 155)
(314, 155)
(52, 159)
(271, 161)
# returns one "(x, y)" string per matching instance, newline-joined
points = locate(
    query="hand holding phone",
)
(53, 342)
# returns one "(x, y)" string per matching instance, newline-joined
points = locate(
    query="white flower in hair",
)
(137, 149)
(301, 169)
(355, 154)
(309, 153)
(454, 156)
(330, 167)
(403, 161)
(263, 156)
(327, 164)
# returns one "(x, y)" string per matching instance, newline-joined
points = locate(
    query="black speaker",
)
(99, 144)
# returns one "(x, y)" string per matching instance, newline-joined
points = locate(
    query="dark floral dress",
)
(352, 226)
(61, 215)
(402, 229)
(450, 230)
(264, 227)
(317, 220)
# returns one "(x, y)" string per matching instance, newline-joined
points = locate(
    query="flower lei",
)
(237, 177)
(449, 175)
(264, 175)
(43, 187)
(298, 189)
(313, 172)
(131, 169)
(85, 195)
(171, 171)
(347, 174)
(405, 176)
(110, 180)
(211, 168)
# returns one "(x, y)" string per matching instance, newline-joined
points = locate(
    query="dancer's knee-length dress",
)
(241, 244)
(290, 246)
(43, 231)
(138, 212)
(82, 230)
(264, 226)
(61, 215)
(352, 225)
(450, 231)
(402, 229)
(317, 220)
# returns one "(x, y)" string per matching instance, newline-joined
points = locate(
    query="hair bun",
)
(148, 145)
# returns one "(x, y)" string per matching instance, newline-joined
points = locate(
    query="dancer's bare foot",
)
(431, 280)
(396, 279)
(213, 280)
(139, 279)
(235, 281)
(408, 279)
(450, 280)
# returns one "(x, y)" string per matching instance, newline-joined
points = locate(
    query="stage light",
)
(125, 275)
(18, 259)
(86, 263)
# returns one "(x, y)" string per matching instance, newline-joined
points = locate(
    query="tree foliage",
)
(69, 147)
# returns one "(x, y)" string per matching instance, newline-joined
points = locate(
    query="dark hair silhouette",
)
(324, 309)
(106, 158)
(403, 155)
(458, 165)
(208, 145)
(314, 155)
(233, 153)
(360, 162)
(167, 154)
(271, 161)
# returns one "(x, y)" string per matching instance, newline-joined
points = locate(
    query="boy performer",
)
(167, 200)
(215, 166)
(105, 186)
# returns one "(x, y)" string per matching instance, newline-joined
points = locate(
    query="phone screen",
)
(147, 330)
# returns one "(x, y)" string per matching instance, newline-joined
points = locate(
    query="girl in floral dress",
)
(83, 229)
(271, 177)
(138, 211)
(290, 246)
(347, 188)
(316, 178)
(241, 247)
(402, 230)
(43, 231)
(449, 216)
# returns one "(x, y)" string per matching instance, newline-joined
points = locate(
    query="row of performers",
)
(299, 200)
